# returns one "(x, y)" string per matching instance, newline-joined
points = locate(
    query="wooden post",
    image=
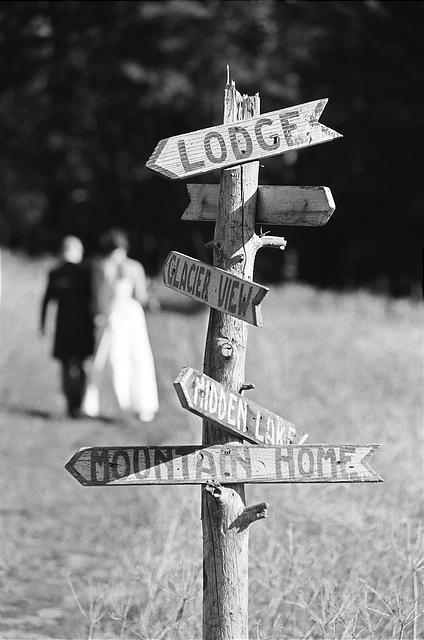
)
(225, 546)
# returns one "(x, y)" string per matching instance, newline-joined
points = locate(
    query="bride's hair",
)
(113, 239)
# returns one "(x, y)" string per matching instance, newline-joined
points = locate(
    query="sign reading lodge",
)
(226, 145)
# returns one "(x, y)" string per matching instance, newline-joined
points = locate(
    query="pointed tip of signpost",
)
(326, 131)
(330, 133)
(257, 312)
(154, 166)
(71, 468)
(373, 448)
(256, 307)
(180, 387)
(303, 438)
(164, 267)
(331, 203)
(320, 106)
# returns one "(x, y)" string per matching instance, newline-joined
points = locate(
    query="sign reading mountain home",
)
(226, 145)
(207, 398)
(223, 463)
(218, 288)
(275, 205)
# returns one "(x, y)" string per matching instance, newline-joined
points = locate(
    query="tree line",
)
(89, 88)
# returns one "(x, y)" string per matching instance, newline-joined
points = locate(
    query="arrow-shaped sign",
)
(216, 287)
(275, 205)
(207, 398)
(95, 466)
(226, 145)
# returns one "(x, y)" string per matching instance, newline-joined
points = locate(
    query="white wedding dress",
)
(122, 380)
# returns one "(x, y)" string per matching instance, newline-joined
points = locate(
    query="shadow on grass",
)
(179, 304)
(123, 422)
(33, 412)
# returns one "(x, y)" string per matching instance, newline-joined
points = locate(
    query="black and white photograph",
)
(211, 320)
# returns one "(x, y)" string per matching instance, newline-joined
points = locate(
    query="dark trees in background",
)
(88, 89)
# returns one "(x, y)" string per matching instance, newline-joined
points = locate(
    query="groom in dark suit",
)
(69, 285)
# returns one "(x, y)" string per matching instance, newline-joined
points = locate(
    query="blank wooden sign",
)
(275, 205)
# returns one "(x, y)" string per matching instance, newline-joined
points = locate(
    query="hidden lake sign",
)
(207, 398)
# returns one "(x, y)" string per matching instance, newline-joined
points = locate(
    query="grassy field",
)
(331, 561)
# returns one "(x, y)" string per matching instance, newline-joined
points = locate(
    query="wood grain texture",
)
(236, 142)
(229, 463)
(237, 414)
(225, 548)
(215, 287)
(276, 205)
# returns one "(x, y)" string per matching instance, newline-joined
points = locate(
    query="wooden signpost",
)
(224, 464)
(99, 466)
(270, 134)
(216, 287)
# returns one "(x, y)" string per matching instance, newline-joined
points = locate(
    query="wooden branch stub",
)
(214, 488)
(226, 347)
(214, 245)
(239, 257)
(224, 496)
(246, 386)
(250, 514)
(273, 242)
(230, 260)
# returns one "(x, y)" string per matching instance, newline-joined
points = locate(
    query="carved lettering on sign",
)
(224, 463)
(229, 144)
(216, 287)
(207, 398)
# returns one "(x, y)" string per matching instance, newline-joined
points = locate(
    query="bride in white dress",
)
(122, 380)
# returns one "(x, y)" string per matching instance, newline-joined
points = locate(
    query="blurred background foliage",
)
(89, 88)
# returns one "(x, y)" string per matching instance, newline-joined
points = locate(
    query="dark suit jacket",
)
(70, 286)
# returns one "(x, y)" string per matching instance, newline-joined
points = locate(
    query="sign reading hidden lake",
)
(207, 398)
(226, 145)
(216, 287)
(223, 463)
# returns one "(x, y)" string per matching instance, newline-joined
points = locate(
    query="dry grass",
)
(337, 562)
